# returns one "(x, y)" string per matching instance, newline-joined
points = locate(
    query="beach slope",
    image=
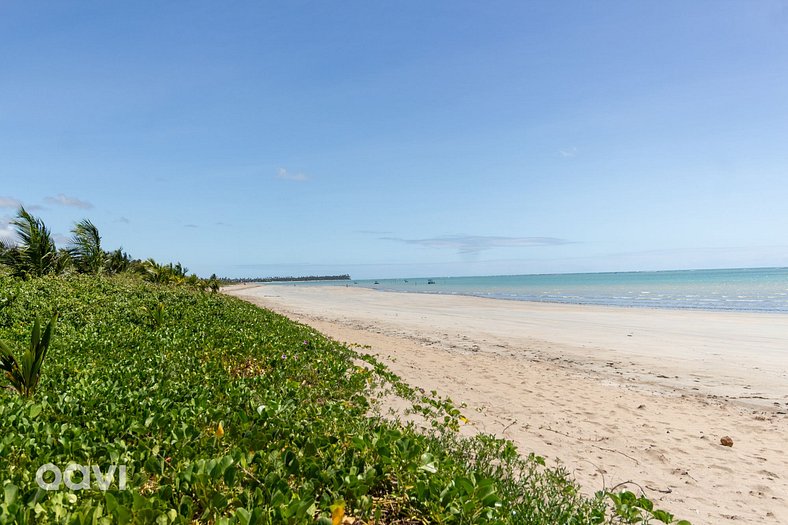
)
(616, 394)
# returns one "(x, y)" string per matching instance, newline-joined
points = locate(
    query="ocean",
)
(746, 289)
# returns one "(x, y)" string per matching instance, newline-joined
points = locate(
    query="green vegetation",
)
(34, 254)
(221, 412)
(25, 374)
(86, 249)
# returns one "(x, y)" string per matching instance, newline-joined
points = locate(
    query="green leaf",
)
(111, 502)
(428, 463)
(663, 516)
(243, 516)
(35, 410)
(229, 475)
(645, 503)
(139, 502)
(10, 491)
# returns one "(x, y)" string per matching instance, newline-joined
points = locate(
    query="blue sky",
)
(403, 138)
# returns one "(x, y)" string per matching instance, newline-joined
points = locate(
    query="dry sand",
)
(615, 394)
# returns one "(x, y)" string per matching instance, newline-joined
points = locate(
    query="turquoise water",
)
(755, 289)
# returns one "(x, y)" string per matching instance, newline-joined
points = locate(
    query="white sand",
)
(616, 394)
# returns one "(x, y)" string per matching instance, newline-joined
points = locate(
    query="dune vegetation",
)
(210, 410)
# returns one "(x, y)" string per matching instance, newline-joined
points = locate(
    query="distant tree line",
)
(227, 280)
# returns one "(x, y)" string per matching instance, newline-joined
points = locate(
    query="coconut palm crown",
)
(34, 254)
(86, 249)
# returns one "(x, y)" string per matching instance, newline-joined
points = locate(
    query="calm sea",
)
(751, 289)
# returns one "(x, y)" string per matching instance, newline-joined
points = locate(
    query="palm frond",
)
(85, 247)
(25, 373)
(35, 252)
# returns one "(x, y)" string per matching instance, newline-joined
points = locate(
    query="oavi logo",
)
(103, 481)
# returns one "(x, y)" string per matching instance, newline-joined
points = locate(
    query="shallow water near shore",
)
(743, 289)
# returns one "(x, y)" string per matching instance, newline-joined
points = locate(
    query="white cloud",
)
(469, 244)
(568, 152)
(9, 202)
(7, 233)
(73, 202)
(282, 173)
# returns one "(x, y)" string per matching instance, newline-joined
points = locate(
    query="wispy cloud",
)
(124, 220)
(73, 202)
(568, 152)
(283, 174)
(190, 226)
(373, 232)
(470, 244)
(9, 202)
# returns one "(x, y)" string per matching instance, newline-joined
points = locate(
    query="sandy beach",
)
(616, 394)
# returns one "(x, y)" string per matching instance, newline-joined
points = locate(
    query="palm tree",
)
(86, 249)
(63, 261)
(178, 270)
(117, 261)
(213, 283)
(154, 272)
(35, 253)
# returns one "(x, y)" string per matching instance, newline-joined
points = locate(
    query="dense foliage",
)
(225, 413)
(32, 253)
(36, 254)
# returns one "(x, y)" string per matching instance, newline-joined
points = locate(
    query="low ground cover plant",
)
(221, 412)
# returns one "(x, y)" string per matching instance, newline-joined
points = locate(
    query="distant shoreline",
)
(307, 278)
(756, 290)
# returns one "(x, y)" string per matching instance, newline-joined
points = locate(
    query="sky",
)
(405, 138)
